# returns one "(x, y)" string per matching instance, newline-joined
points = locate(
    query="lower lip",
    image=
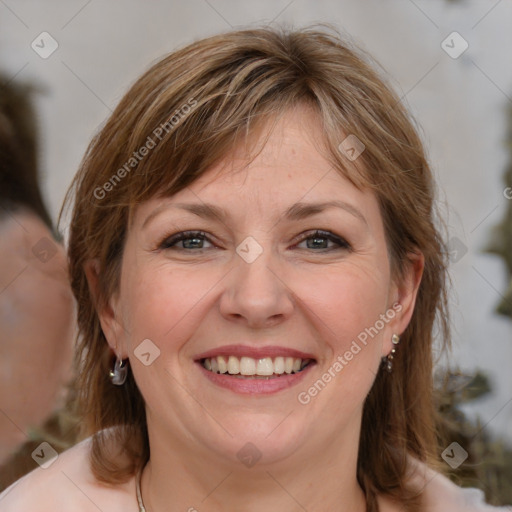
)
(250, 386)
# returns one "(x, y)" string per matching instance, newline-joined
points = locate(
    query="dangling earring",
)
(119, 373)
(387, 361)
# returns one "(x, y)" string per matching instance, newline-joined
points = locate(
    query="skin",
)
(190, 300)
(38, 327)
(289, 296)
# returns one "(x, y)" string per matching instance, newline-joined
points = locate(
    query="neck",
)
(178, 477)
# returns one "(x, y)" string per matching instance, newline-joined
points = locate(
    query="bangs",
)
(173, 134)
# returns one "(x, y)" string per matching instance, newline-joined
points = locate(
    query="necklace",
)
(137, 488)
(138, 478)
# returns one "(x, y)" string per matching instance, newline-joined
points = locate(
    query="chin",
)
(266, 439)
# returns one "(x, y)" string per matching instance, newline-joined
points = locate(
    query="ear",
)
(402, 297)
(109, 320)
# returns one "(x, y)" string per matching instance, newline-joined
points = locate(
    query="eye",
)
(189, 239)
(320, 239)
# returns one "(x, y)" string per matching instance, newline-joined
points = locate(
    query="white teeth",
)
(233, 365)
(223, 364)
(279, 365)
(247, 366)
(266, 366)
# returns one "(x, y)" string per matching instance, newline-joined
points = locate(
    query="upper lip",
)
(254, 352)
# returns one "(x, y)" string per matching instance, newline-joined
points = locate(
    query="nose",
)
(257, 294)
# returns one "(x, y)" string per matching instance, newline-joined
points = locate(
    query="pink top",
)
(68, 485)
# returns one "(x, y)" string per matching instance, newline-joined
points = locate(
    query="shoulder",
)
(441, 494)
(21, 226)
(28, 250)
(28, 239)
(33, 269)
(67, 483)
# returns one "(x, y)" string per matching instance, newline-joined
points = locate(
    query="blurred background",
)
(449, 62)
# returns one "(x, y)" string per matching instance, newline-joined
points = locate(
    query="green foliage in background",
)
(501, 238)
(489, 464)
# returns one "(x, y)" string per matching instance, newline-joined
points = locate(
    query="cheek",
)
(160, 302)
(344, 302)
(349, 307)
(345, 312)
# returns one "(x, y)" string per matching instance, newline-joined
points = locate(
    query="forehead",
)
(291, 149)
(284, 162)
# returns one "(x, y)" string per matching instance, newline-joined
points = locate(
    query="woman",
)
(257, 269)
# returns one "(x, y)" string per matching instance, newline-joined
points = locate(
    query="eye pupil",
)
(195, 240)
(319, 242)
(185, 239)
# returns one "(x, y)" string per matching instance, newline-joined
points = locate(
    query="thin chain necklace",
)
(142, 508)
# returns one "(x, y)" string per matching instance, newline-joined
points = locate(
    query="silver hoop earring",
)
(119, 373)
(387, 361)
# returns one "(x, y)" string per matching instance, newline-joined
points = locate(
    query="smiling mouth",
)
(250, 368)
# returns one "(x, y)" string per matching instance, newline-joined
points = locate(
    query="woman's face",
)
(258, 291)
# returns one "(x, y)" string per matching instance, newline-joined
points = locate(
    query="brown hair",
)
(193, 104)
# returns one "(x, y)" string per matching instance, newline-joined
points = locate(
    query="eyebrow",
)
(297, 211)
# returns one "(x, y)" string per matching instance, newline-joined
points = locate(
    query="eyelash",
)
(170, 241)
